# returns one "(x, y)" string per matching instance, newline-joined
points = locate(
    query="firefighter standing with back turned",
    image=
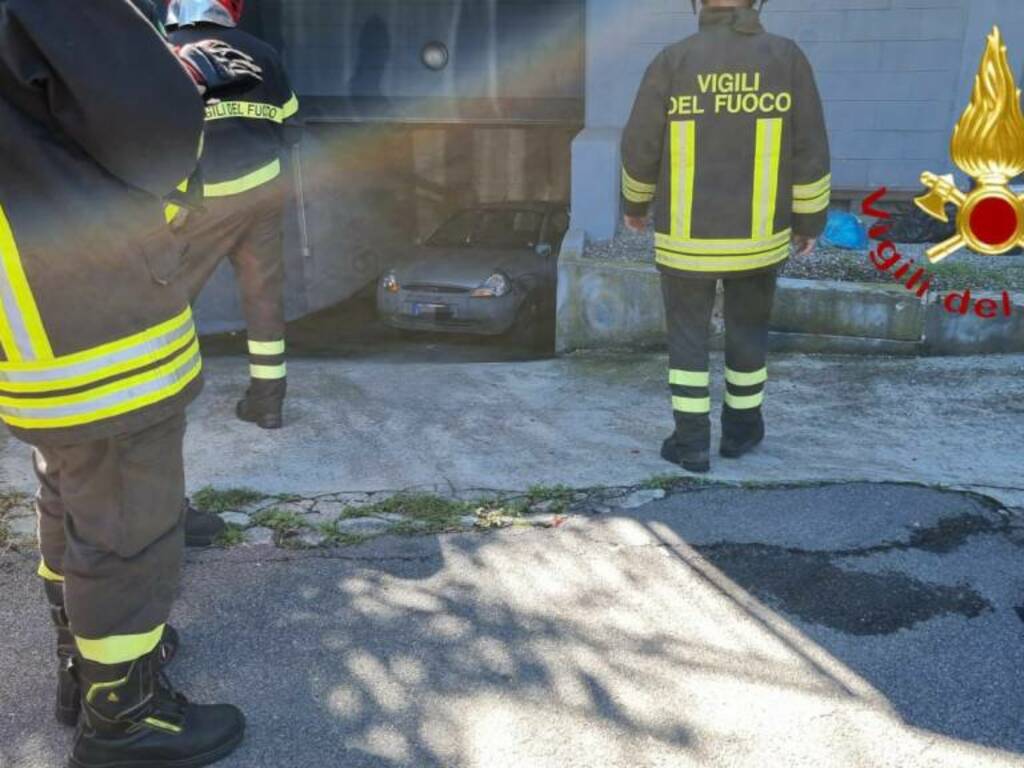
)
(98, 352)
(727, 139)
(244, 198)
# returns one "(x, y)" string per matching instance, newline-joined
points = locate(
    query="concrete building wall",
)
(895, 76)
(512, 49)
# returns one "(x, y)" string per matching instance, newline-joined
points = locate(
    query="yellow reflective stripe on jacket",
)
(268, 372)
(746, 379)
(767, 156)
(723, 247)
(814, 197)
(253, 110)
(252, 180)
(291, 107)
(814, 189)
(722, 261)
(115, 399)
(119, 649)
(103, 362)
(684, 169)
(689, 378)
(21, 328)
(636, 191)
(266, 348)
(813, 205)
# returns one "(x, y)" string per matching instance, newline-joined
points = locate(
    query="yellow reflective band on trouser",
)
(103, 362)
(252, 110)
(721, 255)
(684, 168)
(752, 379)
(266, 348)
(691, 404)
(268, 372)
(114, 399)
(636, 191)
(689, 378)
(252, 180)
(768, 154)
(118, 649)
(22, 335)
(47, 574)
(744, 403)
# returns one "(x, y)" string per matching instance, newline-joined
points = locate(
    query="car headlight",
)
(390, 283)
(495, 286)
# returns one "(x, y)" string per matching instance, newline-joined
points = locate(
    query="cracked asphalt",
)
(852, 624)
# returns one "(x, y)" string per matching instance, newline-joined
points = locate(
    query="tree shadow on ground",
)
(613, 643)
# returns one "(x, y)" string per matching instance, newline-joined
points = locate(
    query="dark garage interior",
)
(413, 110)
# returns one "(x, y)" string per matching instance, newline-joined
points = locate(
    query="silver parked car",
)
(487, 270)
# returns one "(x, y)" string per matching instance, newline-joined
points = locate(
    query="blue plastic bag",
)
(844, 230)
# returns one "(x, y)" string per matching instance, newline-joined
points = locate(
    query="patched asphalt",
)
(850, 625)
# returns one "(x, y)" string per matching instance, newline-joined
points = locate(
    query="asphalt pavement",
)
(858, 625)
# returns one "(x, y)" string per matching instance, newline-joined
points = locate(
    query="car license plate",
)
(439, 311)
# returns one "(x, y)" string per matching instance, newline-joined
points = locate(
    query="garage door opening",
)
(455, 115)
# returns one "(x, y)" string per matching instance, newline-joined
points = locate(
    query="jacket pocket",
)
(164, 254)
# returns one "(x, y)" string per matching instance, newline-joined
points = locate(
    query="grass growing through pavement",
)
(556, 498)
(424, 512)
(232, 536)
(279, 521)
(217, 501)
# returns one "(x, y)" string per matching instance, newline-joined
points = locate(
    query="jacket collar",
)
(746, 21)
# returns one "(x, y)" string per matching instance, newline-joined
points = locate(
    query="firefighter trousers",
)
(246, 229)
(689, 303)
(111, 528)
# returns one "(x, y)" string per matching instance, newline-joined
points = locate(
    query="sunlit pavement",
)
(849, 625)
(883, 634)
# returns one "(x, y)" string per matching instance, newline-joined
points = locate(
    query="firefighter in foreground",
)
(727, 140)
(98, 352)
(243, 198)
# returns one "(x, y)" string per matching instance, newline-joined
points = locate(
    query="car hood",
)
(463, 267)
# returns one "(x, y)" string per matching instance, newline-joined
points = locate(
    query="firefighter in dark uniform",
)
(244, 198)
(98, 351)
(727, 140)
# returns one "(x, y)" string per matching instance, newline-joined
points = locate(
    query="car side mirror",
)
(544, 250)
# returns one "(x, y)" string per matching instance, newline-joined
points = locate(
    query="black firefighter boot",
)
(690, 445)
(263, 403)
(69, 699)
(742, 431)
(133, 718)
(201, 528)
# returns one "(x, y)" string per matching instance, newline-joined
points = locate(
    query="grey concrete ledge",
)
(604, 304)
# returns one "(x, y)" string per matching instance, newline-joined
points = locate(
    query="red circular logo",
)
(994, 221)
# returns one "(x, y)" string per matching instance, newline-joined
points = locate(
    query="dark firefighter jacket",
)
(727, 138)
(244, 137)
(98, 120)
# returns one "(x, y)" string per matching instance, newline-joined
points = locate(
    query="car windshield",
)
(490, 229)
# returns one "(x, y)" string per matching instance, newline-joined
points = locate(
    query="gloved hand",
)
(218, 69)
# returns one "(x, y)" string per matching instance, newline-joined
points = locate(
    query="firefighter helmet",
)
(225, 13)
